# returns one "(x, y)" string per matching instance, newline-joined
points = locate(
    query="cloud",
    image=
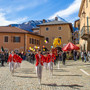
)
(73, 8)
(4, 21)
(19, 5)
(72, 19)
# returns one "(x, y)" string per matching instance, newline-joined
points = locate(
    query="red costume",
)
(38, 59)
(19, 59)
(12, 58)
(45, 59)
(51, 58)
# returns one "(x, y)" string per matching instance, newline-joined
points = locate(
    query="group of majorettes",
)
(14, 61)
(46, 60)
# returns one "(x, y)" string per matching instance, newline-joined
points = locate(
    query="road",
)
(72, 76)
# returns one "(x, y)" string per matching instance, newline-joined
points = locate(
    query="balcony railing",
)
(85, 32)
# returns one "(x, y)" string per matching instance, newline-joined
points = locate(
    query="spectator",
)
(88, 55)
(75, 55)
(85, 56)
(2, 58)
(60, 59)
(82, 56)
(78, 55)
(6, 56)
(63, 57)
(32, 57)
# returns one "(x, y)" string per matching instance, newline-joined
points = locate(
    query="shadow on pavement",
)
(66, 75)
(74, 86)
(60, 70)
(24, 76)
(87, 64)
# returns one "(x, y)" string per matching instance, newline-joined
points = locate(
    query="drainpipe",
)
(87, 25)
(25, 42)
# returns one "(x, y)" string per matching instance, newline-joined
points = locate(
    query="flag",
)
(2, 49)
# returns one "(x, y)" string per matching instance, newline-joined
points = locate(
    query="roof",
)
(8, 29)
(53, 23)
(80, 10)
(57, 23)
(37, 28)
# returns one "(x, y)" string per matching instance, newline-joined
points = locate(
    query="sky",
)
(19, 11)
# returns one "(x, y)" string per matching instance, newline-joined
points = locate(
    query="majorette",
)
(51, 57)
(39, 64)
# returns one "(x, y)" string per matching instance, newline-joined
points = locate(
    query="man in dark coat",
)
(2, 58)
(32, 57)
(64, 57)
(75, 55)
(6, 56)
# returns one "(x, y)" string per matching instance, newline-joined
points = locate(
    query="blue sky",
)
(19, 11)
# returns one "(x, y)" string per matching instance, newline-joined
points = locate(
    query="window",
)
(38, 42)
(47, 39)
(16, 39)
(59, 28)
(35, 41)
(6, 39)
(30, 40)
(47, 29)
(86, 3)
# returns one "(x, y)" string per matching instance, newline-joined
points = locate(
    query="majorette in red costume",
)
(51, 57)
(39, 64)
(45, 61)
(39, 59)
(13, 60)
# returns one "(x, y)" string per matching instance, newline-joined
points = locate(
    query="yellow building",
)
(84, 14)
(55, 29)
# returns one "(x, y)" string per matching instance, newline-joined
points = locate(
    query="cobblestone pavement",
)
(68, 77)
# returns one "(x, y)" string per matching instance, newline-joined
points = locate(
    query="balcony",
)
(85, 32)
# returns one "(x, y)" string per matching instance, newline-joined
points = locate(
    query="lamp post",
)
(83, 14)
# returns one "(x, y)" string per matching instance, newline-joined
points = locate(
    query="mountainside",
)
(33, 24)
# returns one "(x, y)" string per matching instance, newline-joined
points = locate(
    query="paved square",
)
(68, 77)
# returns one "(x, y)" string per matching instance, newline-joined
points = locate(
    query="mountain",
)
(33, 24)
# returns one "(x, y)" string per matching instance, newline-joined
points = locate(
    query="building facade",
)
(16, 39)
(76, 32)
(84, 14)
(55, 29)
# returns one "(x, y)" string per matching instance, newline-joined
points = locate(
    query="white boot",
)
(39, 81)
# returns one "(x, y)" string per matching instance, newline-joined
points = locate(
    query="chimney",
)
(10, 25)
(56, 18)
(44, 20)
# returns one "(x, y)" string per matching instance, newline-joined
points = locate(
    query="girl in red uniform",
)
(39, 65)
(11, 60)
(51, 58)
(45, 61)
(18, 61)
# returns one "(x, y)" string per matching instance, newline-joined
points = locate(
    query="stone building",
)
(55, 29)
(84, 14)
(76, 31)
(13, 38)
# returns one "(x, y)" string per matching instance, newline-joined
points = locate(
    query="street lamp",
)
(83, 14)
